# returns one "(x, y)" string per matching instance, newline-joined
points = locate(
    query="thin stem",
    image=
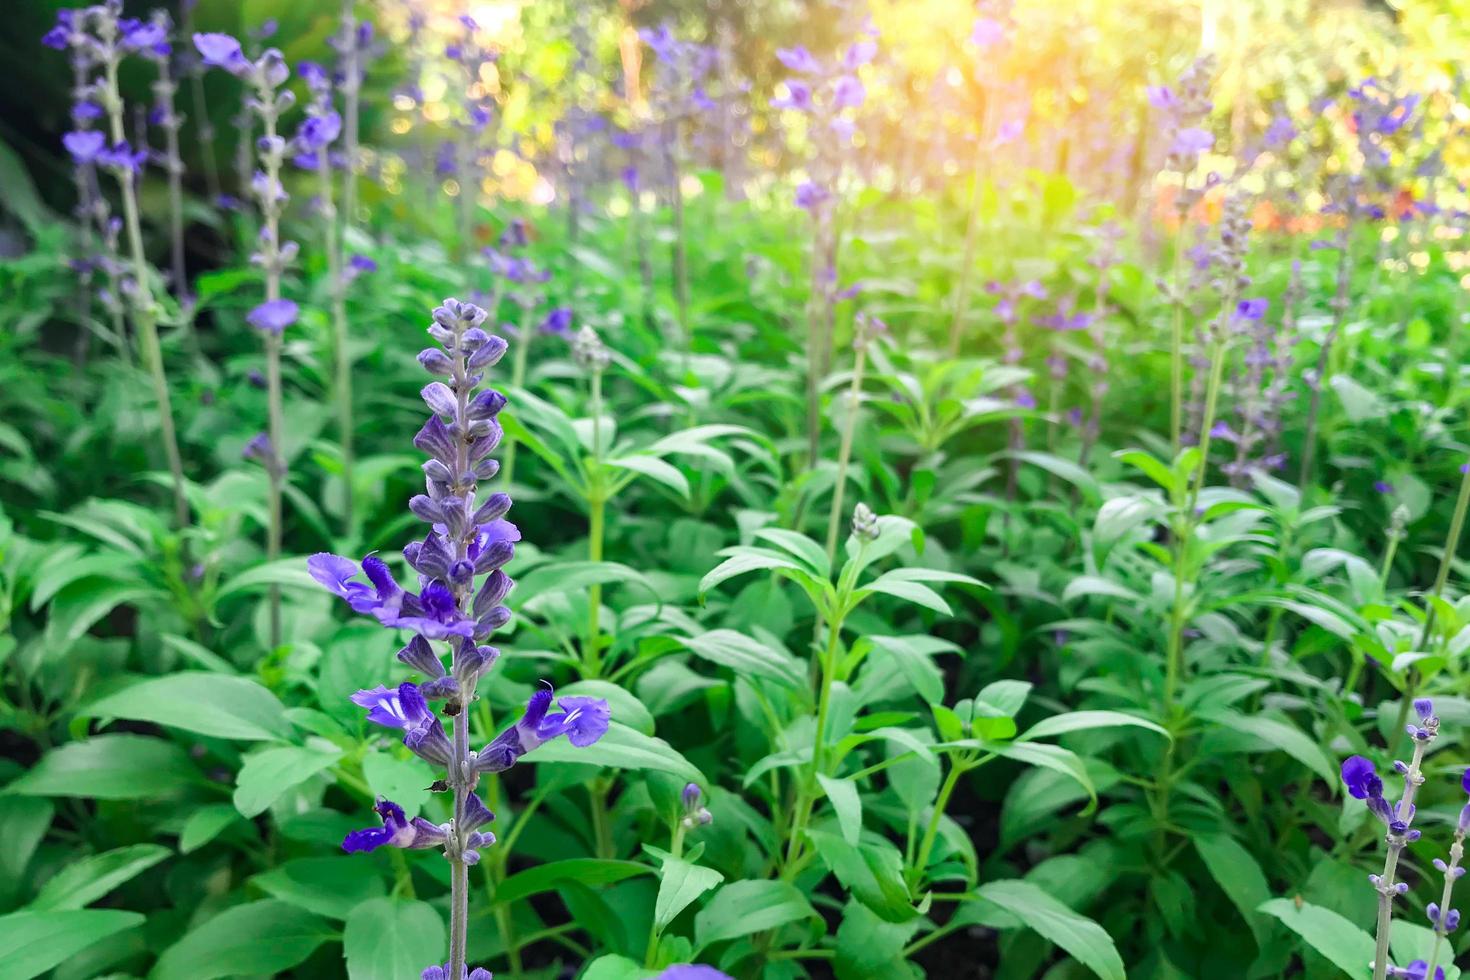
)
(143, 312)
(1457, 851)
(957, 769)
(1176, 344)
(844, 452)
(680, 258)
(342, 361)
(596, 503)
(1396, 842)
(805, 797)
(459, 877)
(1451, 545)
(276, 466)
(1339, 315)
(353, 91)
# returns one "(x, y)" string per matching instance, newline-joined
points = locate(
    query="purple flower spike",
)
(1192, 141)
(222, 51)
(273, 316)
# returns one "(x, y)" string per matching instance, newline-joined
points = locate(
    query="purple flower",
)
(798, 59)
(810, 196)
(859, 53)
(1251, 309)
(121, 159)
(1192, 141)
(848, 92)
(798, 96)
(84, 145)
(558, 321)
(318, 132)
(393, 708)
(582, 720)
(987, 32)
(397, 831)
(1383, 486)
(691, 971)
(222, 51)
(273, 316)
(1161, 97)
(442, 973)
(1361, 778)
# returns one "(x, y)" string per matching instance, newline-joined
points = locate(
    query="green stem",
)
(1451, 545)
(342, 361)
(1176, 345)
(596, 503)
(805, 790)
(957, 768)
(1457, 851)
(844, 452)
(1396, 842)
(143, 311)
(967, 260)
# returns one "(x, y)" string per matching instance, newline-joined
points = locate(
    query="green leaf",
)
(547, 877)
(289, 573)
(915, 592)
(573, 576)
(745, 656)
(1262, 733)
(33, 942)
(1064, 469)
(613, 967)
(205, 824)
(404, 781)
(1155, 469)
(873, 873)
(266, 937)
(744, 908)
(621, 748)
(79, 606)
(110, 767)
(1048, 756)
(269, 773)
(1239, 876)
(1341, 942)
(1085, 940)
(23, 822)
(799, 545)
(680, 884)
(849, 806)
(389, 939)
(1096, 585)
(85, 880)
(1076, 721)
(327, 886)
(655, 469)
(739, 564)
(197, 701)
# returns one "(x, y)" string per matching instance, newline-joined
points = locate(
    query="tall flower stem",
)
(1176, 344)
(596, 504)
(1396, 843)
(805, 789)
(203, 128)
(276, 426)
(817, 308)
(1339, 315)
(680, 255)
(164, 89)
(1451, 545)
(844, 452)
(1457, 852)
(341, 357)
(142, 303)
(352, 95)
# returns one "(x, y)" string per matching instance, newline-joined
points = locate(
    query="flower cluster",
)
(1184, 108)
(469, 541)
(828, 93)
(1362, 781)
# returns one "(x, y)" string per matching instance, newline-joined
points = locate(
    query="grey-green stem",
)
(1396, 842)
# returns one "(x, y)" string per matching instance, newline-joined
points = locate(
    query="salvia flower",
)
(468, 542)
(695, 814)
(864, 523)
(273, 316)
(691, 971)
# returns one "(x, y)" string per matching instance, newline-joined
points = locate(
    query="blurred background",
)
(1066, 95)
